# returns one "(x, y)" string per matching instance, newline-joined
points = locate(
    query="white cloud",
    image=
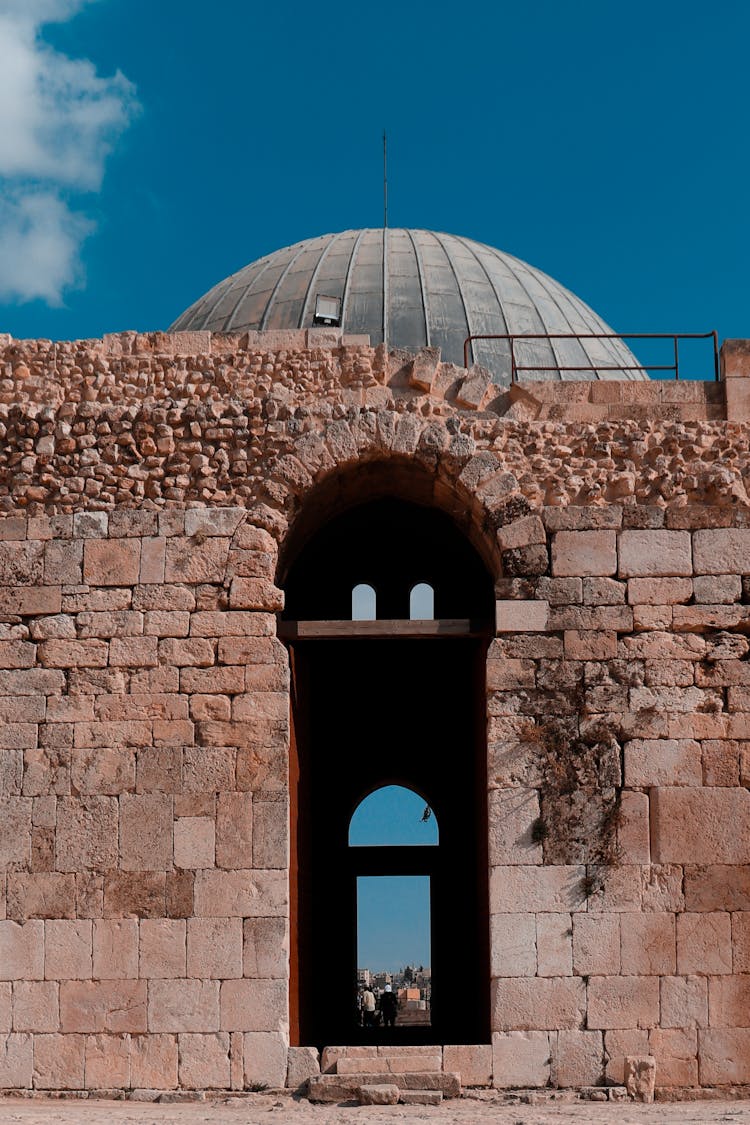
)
(58, 122)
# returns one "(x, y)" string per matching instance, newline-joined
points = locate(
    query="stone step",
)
(344, 1087)
(421, 1097)
(391, 1064)
(331, 1055)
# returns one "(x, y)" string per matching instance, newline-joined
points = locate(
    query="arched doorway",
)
(381, 698)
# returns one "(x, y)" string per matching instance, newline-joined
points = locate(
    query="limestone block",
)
(183, 1005)
(21, 951)
(663, 646)
(576, 553)
(162, 947)
(210, 707)
(633, 836)
(729, 1001)
(554, 945)
(63, 562)
(140, 894)
(722, 550)
(265, 1058)
(520, 1059)
(648, 944)
(158, 769)
(512, 812)
(232, 623)
(676, 1056)
(521, 533)
(108, 562)
(16, 1062)
(270, 834)
(163, 623)
(618, 618)
(87, 834)
(241, 894)
(145, 832)
(721, 762)
(596, 944)
(512, 945)
(689, 825)
(192, 560)
(207, 770)
(623, 1002)
(265, 948)
(107, 1062)
(590, 644)
(724, 1056)
(15, 831)
(704, 943)
(255, 593)
(537, 1003)
(675, 700)
(67, 950)
(112, 1005)
(214, 948)
(717, 589)
(506, 673)
(684, 1002)
(216, 522)
(577, 1058)
(134, 652)
(619, 1044)
(655, 554)
(604, 591)
(472, 1061)
(74, 654)
(115, 948)
(186, 652)
(662, 888)
(640, 1078)
(153, 558)
(21, 564)
(36, 1006)
(204, 1061)
(553, 889)
(153, 1062)
(6, 1006)
(254, 1005)
(383, 1093)
(234, 830)
(59, 1062)
(302, 1063)
(741, 942)
(659, 591)
(522, 616)
(194, 841)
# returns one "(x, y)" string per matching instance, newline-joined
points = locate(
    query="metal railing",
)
(674, 367)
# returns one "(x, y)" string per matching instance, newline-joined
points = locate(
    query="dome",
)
(418, 288)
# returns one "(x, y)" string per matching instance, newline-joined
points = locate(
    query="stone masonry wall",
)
(144, 704)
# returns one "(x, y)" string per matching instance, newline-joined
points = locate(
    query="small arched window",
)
(422, 602)
(364, 603)
(393, 816)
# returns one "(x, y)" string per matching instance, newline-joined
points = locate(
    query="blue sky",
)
(393, 912)
(602, 142)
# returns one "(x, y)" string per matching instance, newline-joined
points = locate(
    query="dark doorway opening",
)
(388, 709)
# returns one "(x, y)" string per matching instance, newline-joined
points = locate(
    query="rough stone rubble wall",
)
(144, 706)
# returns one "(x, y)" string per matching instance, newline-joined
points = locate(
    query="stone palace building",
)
(190, 717)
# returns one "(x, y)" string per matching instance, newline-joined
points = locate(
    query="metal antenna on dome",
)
(385, 179)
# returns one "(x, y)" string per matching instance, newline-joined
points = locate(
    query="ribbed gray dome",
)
(414, 288)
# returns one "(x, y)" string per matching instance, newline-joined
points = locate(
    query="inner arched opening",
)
(393, 816)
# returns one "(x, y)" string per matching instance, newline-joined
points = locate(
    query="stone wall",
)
(144, 700)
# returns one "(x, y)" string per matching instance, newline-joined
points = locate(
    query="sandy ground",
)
(264, 1110)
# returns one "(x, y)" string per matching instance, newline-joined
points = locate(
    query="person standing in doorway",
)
(389, 1006)
(368, 1007)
